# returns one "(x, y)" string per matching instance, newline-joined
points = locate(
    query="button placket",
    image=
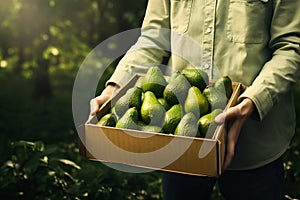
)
(208, 36)
(208, 30)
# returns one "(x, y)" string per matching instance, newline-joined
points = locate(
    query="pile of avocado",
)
(184, 104)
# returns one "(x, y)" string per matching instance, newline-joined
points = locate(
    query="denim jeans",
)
(263, 183)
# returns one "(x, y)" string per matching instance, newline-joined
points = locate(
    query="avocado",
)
(173, 76)
(176, 90)
(129, 120)
(172, 118)
(206, 123)
(150, 128)
(112, 110)
(154, 81)
(196, 77)
(139, 82)
(132, 98)
(224, 84)
(196, 102)
(164, 103)
(107, 120)
(215, 97)
(152, 112)
(187, 126)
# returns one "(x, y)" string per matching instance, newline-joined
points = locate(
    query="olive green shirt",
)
(255, 42)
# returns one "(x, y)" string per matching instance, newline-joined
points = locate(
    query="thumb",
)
(220, 119)
(94, 107)
(231, 113)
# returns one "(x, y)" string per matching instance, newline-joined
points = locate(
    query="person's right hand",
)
(236, 117)
(98, 101)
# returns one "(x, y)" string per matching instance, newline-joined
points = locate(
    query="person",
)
(255, 42)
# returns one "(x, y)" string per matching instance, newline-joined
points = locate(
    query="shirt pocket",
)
(246, 21)
(180, 14)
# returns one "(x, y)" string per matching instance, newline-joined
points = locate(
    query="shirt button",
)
(208, 30)
(206, 66)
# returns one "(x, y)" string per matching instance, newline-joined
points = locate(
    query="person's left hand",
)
(235, 118)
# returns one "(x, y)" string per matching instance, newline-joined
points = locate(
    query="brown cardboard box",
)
(157, 151)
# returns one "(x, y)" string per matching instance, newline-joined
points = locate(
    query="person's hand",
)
(98, 101)
(235, 117)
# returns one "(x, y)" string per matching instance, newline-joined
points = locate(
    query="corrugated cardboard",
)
(157, 151)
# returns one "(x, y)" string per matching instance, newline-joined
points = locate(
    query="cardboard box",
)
(157, 151)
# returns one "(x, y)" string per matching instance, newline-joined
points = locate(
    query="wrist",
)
(110, 89)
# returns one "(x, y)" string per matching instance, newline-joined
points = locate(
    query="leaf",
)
(70, 163)
(34, 146)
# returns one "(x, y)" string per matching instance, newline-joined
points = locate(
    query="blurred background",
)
(42, 45)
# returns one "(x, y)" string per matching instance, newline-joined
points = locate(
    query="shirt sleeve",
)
(152, 46)
(282, 70)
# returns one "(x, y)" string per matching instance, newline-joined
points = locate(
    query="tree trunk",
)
(21, 59)
(42, 86)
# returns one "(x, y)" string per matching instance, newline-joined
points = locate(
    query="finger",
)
(227, 115)
(233, 134)
(229, 154)
(220, 119)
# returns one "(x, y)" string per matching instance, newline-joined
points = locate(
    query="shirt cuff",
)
(261, 99)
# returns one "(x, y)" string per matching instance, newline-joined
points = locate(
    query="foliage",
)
(292, 169)
(292, 156)
(36, 171)
(32, 172)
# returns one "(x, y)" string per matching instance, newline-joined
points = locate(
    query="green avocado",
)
(132, 98)
(207, 124)
(187, 126)
(152, 112)
(149, 128)
(224, 84)
(196, 77)
(164, 103)
(107, 120)
(154, 81)
(129, 120)
(215, 98)
(176, 90)
(196, 102)
(172, 118)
